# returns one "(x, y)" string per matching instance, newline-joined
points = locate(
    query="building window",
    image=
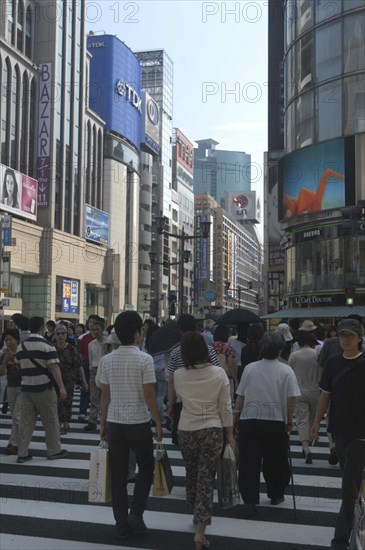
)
(354, 104)
(353, 4)
(14, 123)
(304, 125)
(304, 15)
(329, 106)
(328, 51)
(19, 26)
(10, 10)
(304, 54)
(28, 33)
(5, 87)
(15, 287)
(354, 42)
(327, 8)
(32, 110)
(24, 116)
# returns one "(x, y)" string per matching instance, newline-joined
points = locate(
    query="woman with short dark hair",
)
(205, 394)
(265, 402)
(10, 366)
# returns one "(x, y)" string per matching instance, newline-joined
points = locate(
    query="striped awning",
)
(317, 312)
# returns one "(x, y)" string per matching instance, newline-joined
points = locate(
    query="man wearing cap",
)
(343, 388)
(208, 325)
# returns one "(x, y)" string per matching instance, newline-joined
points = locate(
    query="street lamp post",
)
(184, 254)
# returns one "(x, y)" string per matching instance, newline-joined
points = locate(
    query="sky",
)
(219, 51)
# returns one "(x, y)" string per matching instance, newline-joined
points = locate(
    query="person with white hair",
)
(284, 331)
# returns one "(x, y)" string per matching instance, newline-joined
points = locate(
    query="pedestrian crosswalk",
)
(44, 504)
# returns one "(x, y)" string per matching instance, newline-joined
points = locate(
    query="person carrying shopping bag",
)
(205, 392)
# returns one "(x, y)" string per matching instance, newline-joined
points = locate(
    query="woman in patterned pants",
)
(204, 390)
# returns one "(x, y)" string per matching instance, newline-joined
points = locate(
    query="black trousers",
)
(263, 443)
(121, 438)
(351, 455)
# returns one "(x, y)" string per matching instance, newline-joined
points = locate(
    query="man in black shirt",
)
(343, 388)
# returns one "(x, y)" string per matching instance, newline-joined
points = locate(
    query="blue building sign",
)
(96, 225)
(115, 86)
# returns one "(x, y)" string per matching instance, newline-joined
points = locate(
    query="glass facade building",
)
(216, 172)
(324, 106)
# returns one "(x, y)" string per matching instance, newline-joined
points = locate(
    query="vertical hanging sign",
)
(44, 134)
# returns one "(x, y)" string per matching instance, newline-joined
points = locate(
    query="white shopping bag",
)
(99, 475)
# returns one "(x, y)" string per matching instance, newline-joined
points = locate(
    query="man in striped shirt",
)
(40, 372)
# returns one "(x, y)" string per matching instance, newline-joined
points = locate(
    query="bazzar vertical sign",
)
(44, 134)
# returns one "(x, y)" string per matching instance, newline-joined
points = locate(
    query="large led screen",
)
(314, 179)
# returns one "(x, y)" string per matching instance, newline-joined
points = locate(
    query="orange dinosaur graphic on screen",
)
(309, 201)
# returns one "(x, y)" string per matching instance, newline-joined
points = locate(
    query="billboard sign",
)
(70, 296)
(18, 193)
(313, 179)
(96, 225)
(243, 206)
(44, 134)
(115, 86)
(150, 124)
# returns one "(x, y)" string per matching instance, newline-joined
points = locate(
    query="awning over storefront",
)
(317, 312)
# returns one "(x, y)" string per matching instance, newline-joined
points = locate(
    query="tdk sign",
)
(126, 90)
(153, 112)
(115, 87)
(96, 45)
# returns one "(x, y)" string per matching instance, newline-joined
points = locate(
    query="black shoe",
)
(137, 524)
(276, 501)
(308, 458)
(22, 459)
(61, 454)
(333, 458)
(90, 427)
(5, 407)
(123, 533)
(249, 510)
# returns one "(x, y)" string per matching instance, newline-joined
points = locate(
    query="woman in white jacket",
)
(205, 393)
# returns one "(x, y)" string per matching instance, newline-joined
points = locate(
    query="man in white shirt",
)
(128, 378)
(96, 349)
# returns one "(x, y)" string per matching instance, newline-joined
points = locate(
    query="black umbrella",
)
(239, 315)
(164, 338)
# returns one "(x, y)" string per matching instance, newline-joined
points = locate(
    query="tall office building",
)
(274, 257)
(322, 175)
(217, 171)
(51, 150)
(228, 265)
(182, 186)
(157, 80)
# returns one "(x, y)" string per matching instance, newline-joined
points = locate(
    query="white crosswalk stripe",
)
(44, 504)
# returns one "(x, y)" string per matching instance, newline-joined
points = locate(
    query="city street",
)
(44, 504)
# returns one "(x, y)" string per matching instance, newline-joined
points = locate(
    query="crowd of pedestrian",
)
(212, 388)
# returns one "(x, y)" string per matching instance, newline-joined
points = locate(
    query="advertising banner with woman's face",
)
(18, 194)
